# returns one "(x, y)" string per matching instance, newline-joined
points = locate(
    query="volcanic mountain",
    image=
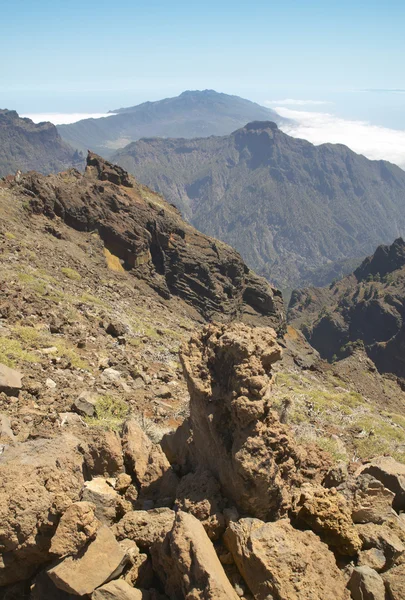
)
(192, 114)
(27, 146)
(296, 212)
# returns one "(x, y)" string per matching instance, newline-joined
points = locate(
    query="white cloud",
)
(364, 138)
(64, 118)
(293, 102)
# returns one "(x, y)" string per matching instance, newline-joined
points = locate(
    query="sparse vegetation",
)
(71, 273)
(111, 412)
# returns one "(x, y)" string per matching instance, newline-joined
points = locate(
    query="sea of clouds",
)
(373, 141)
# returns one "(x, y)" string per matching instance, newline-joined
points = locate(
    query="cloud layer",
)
(364, 138)
(64, 118)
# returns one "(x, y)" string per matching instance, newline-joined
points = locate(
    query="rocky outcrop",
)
(151, 239)
(27, 146)
(235, 434)
(278, 561)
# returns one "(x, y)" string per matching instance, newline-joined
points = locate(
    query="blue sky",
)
(335, 67)
(94, 56)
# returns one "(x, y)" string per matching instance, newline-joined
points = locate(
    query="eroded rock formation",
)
(236, 435)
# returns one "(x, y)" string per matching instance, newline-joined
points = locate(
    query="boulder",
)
(366, 584)
(327, 513)
(278, 561)
(85, 404)
(145, 526)
(187, 563)
(108, 504)
(147, 464)
(39, 480)
(103, 454)
(118, 590)
(102, 560)
(392, 474)
(395, 582)
(383, 538)
(236, 435)
(10, 380)
(371, 501)
(199, 494)
(76, 528)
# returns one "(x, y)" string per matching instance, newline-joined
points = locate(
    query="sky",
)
(340, 58)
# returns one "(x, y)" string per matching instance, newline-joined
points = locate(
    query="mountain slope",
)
(28, 147)
(289, 207)
(151, 239)
(192, 114)
(366, 308)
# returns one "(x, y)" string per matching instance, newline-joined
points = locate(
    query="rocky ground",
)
(147, 455)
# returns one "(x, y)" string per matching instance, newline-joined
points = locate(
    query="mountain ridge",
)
(27, 146)
(190, 114)
(290, 208)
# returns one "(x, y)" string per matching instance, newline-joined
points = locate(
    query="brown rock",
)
(373, 558)
(372, 502)
(147, 463)
(328, 514)
(152, 240)
(384, 538)
(145, 527)
(395, 582)
(102, 559)
(38, 481)
(103, 454)
(10, 380)
(85, 404)
(392, 474)
(187, 563)
(118, 590)
(278, 561)
(366, 584)
(107, 502)
(236, 435)
(199, 494)
(76, 528)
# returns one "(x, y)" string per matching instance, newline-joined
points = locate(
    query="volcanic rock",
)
(151, 239)
(145, 526)
(235, 434)
(366, 584)
(10, 380)
(76, 528)
(278, 561)
(188, 565)
(102, 559)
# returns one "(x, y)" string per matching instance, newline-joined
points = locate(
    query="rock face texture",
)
(296, 212)
(151, 239)
(235, 433)
(277, 561)
(188, 564)
(26, 146)
(193, 113)
(365, 308)
(38, 482)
